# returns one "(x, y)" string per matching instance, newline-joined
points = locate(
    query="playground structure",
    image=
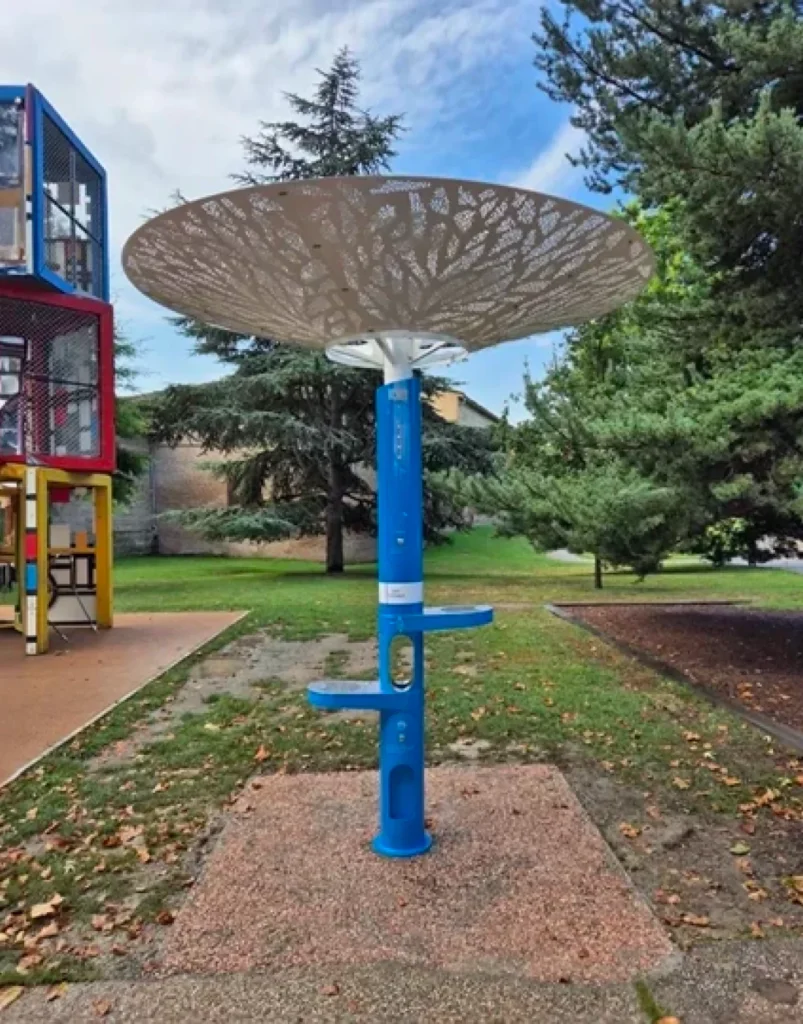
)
(57, 443)
(396, 275)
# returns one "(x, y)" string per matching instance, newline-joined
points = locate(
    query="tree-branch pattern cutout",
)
(321, 262)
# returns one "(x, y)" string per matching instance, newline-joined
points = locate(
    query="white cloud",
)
(162, 90)
(550, 171)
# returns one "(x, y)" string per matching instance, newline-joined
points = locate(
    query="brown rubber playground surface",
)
(519, 883)
(45, 699)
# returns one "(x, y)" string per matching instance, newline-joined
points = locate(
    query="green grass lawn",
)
(529, 687)
(475, 567)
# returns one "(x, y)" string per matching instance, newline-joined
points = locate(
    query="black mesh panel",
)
(57, 407)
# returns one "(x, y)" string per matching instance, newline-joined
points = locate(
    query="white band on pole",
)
(401, 593)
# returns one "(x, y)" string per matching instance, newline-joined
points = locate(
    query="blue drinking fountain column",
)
(401, 613)
(401, 601)
(341, 263)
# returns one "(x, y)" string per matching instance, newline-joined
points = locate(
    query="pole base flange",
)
(378, 845)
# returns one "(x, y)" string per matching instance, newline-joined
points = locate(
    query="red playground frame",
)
(43, 395)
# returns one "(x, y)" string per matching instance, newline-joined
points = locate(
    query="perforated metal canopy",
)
(336, 260)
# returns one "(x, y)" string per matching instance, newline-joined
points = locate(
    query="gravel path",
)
(516, 867)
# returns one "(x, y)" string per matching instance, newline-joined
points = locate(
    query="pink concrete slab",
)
(519, 882)
(45, 699)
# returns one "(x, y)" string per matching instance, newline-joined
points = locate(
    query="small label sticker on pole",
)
(401, 593)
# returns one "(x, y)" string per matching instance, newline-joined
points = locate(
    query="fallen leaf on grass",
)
(261, 755)
(39, 910)
(25, 963)
(10, 995)
(48, 931)
(756, 930)
(128, 833)
(211, 727)
(680, 783)
(628, 830)
(740, 849)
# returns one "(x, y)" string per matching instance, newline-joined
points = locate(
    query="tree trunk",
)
(334, 521)
(597, 573)
(334, 501)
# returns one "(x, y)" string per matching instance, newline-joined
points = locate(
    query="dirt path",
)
(245, 668)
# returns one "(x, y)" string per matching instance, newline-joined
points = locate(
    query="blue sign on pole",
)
(402, 832)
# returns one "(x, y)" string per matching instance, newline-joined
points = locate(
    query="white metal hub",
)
(397, 353)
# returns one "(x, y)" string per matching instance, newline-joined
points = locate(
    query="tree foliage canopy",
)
(704, 101)
(692, 396)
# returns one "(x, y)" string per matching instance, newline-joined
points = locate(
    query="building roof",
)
(480, 409)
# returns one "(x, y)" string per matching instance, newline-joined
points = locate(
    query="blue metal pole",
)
(400, 703)
(401, 594)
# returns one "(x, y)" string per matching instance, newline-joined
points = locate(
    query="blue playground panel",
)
(401, 613)
(53, 200)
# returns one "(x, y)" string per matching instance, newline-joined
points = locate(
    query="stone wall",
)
(134, 523)
(181, 482)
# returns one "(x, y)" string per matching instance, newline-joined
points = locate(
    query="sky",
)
(162, 91)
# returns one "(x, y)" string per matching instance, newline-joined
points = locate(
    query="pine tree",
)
(604, 507)
(294, 437)
(704, 101)
(564, 481)
(661, 389)
(333, 136)
(296, 432)
(697, 108)
(307, 437)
